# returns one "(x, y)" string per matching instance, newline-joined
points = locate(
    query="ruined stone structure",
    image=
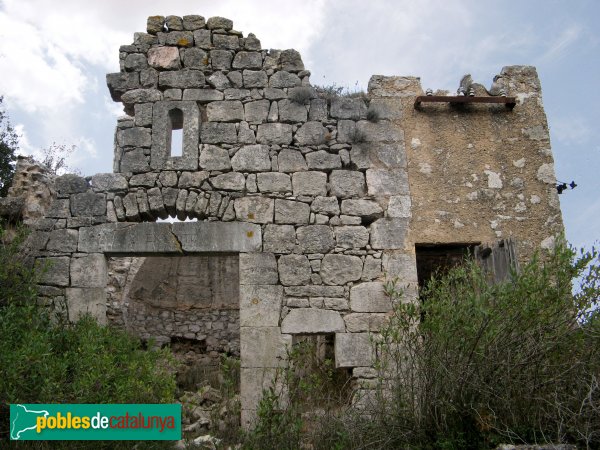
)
(303, 206)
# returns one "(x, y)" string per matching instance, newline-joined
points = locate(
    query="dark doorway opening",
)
(435, 260)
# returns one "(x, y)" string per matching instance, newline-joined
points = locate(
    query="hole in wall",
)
(175, 143)
(316, 381)
(435, 260)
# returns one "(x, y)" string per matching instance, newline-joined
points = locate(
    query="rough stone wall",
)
(318, 202)
(480, 172)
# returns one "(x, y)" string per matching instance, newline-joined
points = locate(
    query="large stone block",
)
(252, 158)
(369, 297)
(164, 58)
(213, 157)
(141, 96)
(219, 133)
(81, 301)
(291, 61)
(88, 204)
(348, 108)
(254, 209)
(254, 78)
(340, 269)
(134, 137)
(315, 238)
(260, 306)
(289, 211)
(387, 233)
(401, 265)
(323, 160)
(399, 206)
(247, 60)
(382, 131)
(53, 271)
(224, 41)
(264, 347)
(231, 181)
(215, 23)
(109, 182)
(368, 209)
(309, 183)
(253, 382)
(312, 321)
(279, 238)
(62, 241)
(59, 209)
(291, 160)
(221, 59)
(70, 184)
(192, 179)
(325, 205)
(258, 268)
(193, 22)
(383, 182)
(181, 79)
(147, 180)
(312, 133)
(346, 183)
(294, 270)
(89, 271)
(121, 82)
(283, 79)
(202, 95)
(292, 112)
(274, 133)
(274, 182)
(354, 350)
(224, 237)
(134, 161)
(351, 236)
(225, 111)
(256, 112)
(365, 322)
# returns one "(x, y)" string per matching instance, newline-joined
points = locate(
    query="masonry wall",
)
(318, 203)
(480, 172)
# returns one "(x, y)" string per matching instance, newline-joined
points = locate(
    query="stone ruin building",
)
(304, 203)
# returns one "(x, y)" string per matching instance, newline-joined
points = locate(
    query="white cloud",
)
(572, 130)
(560, 45)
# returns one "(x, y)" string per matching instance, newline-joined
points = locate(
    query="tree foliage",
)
(477, 364)
(45, 359)
(9, 143)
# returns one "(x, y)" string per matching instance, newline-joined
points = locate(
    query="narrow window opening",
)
(175, 137)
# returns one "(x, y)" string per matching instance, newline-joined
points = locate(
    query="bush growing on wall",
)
(44, 360)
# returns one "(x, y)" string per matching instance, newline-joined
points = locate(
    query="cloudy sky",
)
(54, 56)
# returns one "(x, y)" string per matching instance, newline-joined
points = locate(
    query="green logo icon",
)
(92, 422)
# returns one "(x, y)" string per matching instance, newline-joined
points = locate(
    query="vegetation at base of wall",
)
(471, 365)
(476, 364)
(47, 360)
(302, 406)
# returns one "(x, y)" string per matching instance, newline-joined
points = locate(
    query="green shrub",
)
(476, 364)
(44, 360)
